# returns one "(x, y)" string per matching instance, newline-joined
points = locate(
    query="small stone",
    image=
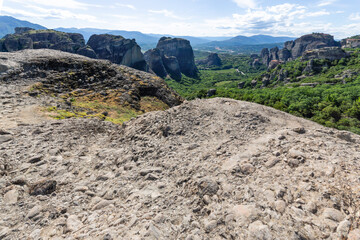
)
(343, 229)
(247, 168)
(208, 187)
(299, 130)
(151, 177)
(280, 206)
(333, 214)
(5, 132)
(43, 187)
(155, 232)
(102, 204)
(107, 237)
(311, 207)
(272, 162)
(207, 199)
(34, 212)
(81, 189)
(73, 224)
(293, 163)
(210, 226)
(4, 231)
(293, 153)
(257, 230)
(11, 197)
(35, 234)
(21, 181)
(145, 172)
(90, 193)
(282, 137)
(245, 213)
(5, 138)
(195, 224)
(35, 159)
(354, 235)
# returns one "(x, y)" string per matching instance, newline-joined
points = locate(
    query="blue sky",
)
(340, 18)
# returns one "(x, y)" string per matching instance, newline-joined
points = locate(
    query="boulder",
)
(353, 42)
(155, 62)
(265, 56)
(172, 57)
(274, 53)
(61, 72)
(329, 53)
(256, 63)
(298, 47)
(241, 85)
(27, 38)
(211, 93)
(284, 55)
(118, 50)
(182, 50)
(310, 42)
(87, 51)
(273, 64)
(21, 30)
(212, 60)
(172, 66)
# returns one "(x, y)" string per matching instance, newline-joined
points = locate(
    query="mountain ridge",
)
(8, 24)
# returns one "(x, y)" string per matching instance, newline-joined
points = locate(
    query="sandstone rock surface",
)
(118, 50)
(196, 171)
(59, 72)
(299, 47)
(110, 47)
(175, 55)
(212, 60)
(27, 38)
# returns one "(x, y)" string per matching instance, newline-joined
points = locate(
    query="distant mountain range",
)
(241, 44)
(146, 41)
(8, 24)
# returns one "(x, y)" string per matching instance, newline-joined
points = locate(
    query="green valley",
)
(329, 94)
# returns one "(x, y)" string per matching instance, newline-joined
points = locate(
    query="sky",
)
(293, 18)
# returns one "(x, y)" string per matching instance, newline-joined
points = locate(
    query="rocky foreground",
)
(207, 169)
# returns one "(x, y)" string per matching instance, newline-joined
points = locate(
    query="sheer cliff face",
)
(27, 38)
(182, 50)
(114, 48)
(310, 42)
(297, 48)
(154, 60)
(212, 60)
(118, 50)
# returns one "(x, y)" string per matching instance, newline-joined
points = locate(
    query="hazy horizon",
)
(201, 18)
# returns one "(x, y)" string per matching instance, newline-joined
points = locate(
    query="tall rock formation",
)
(154, 60)
(212, 60)
(352, 42)
(295, 49)
(310, 42)
(27, 38)
(118, 50)
(175, 55)
(114, 48)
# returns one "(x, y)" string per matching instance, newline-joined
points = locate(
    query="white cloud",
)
(354, 17)
(1, 3)
(246, 3)
(283, 19)
(42, 13)
(69, 4)
(123, 17)
(126, 6)
(317, 14)
(324, 3)
(167, 13)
